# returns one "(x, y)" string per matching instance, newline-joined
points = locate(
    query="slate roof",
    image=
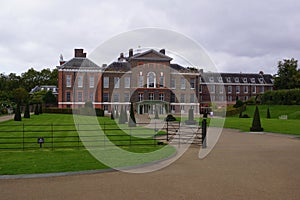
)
(143, 56)
(118, 66)
(79, 62)
(236, 78)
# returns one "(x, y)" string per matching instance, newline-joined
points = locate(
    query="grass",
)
(68, 159)
(274, 125)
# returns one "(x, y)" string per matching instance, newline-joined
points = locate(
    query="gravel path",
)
(241, 166)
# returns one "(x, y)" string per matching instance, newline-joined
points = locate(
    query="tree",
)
(256, 125)
(17, 116)
(288, 76)
(50, 99)
(132, 122)
(27, 112)
(20, 95)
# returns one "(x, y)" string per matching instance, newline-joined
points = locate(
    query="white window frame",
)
(92, 81)
(80, 81)
(106, 82)
(116, 82)
(127, 82)
(69, 81)
(237, 89)
(182, 83)
(229, 89)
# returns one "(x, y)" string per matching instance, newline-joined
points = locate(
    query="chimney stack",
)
(130, 53)
(163, 51)
(79, 53)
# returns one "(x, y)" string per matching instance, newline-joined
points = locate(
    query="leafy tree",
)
(50, 99)
(20, 95)
(17, 116)
(256, 125)
(288, 76)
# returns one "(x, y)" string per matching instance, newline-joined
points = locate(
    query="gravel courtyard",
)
(241, 166)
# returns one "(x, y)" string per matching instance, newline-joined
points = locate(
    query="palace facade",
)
(152, 82)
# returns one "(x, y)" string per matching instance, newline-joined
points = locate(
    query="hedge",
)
(281, 97)
(82, 111)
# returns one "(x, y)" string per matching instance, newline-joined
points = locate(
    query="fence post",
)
(23, 137)
(204, 124)
(104, 135)
(130, 129)
(52, 136)
(78, 139)
(167, 130)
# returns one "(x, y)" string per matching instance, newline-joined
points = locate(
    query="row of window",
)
(245, 89)
(151, 82)
(80, 81)
(236, 79)
(79, 97)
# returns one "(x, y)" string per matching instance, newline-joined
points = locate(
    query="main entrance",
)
(151, 106)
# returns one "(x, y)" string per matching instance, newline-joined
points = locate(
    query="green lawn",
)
(67, 159)
(274, 125)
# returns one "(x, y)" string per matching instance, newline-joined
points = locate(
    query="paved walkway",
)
(6, 117)
(241, 166)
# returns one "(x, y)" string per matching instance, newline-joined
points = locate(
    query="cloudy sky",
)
(238, 35)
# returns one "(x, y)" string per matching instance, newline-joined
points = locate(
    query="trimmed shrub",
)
(17, 116)
(132, 121)
(256, 125)
(27, 112)
(170, 118)
(268, 114)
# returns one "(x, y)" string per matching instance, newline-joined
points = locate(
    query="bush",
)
(244, 116)
(18, 113)
(238, 104)
(170, 118)
(281, 97)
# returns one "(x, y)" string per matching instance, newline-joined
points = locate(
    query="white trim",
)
(185, 104)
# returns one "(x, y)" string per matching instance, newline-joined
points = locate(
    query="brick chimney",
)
(130, 53)
(163, 51)
(79, 53)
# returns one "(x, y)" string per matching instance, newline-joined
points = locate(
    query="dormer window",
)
(220, 79)
(272, 80)
(211, 79)
(245, 80)
(252, 80)
(228, 80)
(261, 80)
(236, 79)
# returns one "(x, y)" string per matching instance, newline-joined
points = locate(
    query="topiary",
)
(170, 118)
(132, 121)
(27, 112)
(256, 125)
(18, 113)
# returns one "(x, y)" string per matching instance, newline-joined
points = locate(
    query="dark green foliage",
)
(18, 113)
(99, 112)
(268, 113)
(58, 110)
(49, 98)
(27, 112)
(256, 125)
(238, 104)
(288, 74)
(281, 97)
(36, 109)
(245, 116)
(170, 118)
(132, 122)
